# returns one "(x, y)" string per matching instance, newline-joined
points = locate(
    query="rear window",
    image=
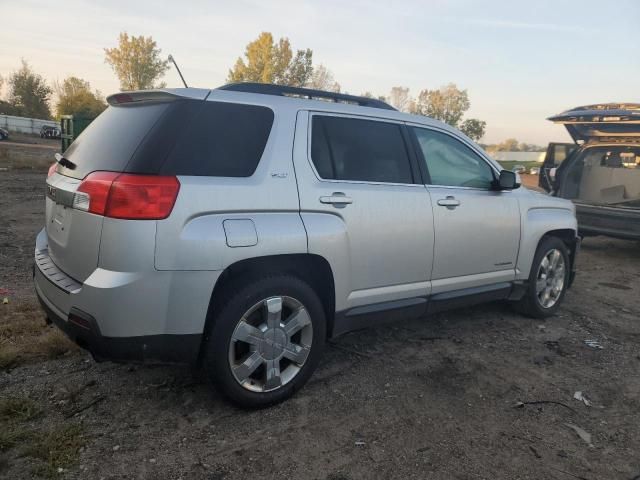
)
(110, 141)
(184, 137)
(223, 140)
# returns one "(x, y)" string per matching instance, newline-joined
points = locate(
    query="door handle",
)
(337, 199)
(450, 202)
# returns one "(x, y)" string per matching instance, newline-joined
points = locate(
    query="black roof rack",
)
(286, 91)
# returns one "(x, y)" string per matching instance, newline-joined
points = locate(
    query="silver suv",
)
(240, 228)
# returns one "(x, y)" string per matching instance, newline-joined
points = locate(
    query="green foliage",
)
(473, 128)
(269, 62)
(447, 104)
(76, 98)
(137, 62)
(29, 93)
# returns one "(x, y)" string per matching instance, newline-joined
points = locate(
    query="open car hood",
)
(594, 122)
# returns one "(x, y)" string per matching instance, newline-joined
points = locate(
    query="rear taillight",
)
(127, 196)
(52, 169)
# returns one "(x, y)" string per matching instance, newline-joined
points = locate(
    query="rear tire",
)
(266, 341)
(548, 279)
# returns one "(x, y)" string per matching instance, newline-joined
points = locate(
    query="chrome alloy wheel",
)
(270, 344)
(550, 278)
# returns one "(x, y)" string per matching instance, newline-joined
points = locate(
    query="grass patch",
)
(9, 357)
(19, 409)
(14, 410)
(25, 337)
(26, 156)
(53, 344)
(57, 448)
(12, 436)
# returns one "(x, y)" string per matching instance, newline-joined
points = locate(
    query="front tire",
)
(266, 341)
(548, 279)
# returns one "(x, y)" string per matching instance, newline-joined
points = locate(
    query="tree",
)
(322, 79)
(137, 62)
(400, 98)
(29, 93)
(448, 104)
(473, 128)
(268, 62)
(509, 145)
(76, 98)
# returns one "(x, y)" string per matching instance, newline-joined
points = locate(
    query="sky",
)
(520, 61)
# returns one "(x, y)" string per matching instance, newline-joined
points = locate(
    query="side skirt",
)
(417, 307)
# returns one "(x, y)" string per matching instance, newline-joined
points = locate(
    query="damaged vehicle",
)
(600, 172)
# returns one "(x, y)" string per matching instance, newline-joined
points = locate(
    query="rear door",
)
(361, 172)
(556, 154)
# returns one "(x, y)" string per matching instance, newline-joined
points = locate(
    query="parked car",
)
(601, 171)
(276, 221)
(4, 134)
(534, 171)
(519, 169)
(48, 131)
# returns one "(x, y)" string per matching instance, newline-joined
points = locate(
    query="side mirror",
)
(507, 180)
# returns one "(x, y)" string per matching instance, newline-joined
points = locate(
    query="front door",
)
(477, 229)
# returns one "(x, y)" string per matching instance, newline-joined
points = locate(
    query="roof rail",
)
(286, 91)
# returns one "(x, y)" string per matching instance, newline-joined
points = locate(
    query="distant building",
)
(518, 156)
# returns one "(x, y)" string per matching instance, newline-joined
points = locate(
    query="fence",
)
(25, 125)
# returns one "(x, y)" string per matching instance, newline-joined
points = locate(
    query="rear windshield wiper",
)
(65, 162)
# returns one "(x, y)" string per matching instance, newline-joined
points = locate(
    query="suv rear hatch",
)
(596, 122)
(121, 152)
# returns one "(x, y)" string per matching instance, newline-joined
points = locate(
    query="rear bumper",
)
(142, 316)
(614, 222)
(181, 349)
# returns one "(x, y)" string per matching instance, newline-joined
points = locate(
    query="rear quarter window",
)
(109, 142)
(222, 140)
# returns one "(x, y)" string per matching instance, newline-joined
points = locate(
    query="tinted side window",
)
(452, 163)
(364, 150)
(222, 140)
(109, 142)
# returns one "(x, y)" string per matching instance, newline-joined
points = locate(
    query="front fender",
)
(538, 222)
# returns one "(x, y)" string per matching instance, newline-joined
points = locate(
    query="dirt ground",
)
(478, 393)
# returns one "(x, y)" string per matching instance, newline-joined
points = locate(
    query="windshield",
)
(605, 175)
